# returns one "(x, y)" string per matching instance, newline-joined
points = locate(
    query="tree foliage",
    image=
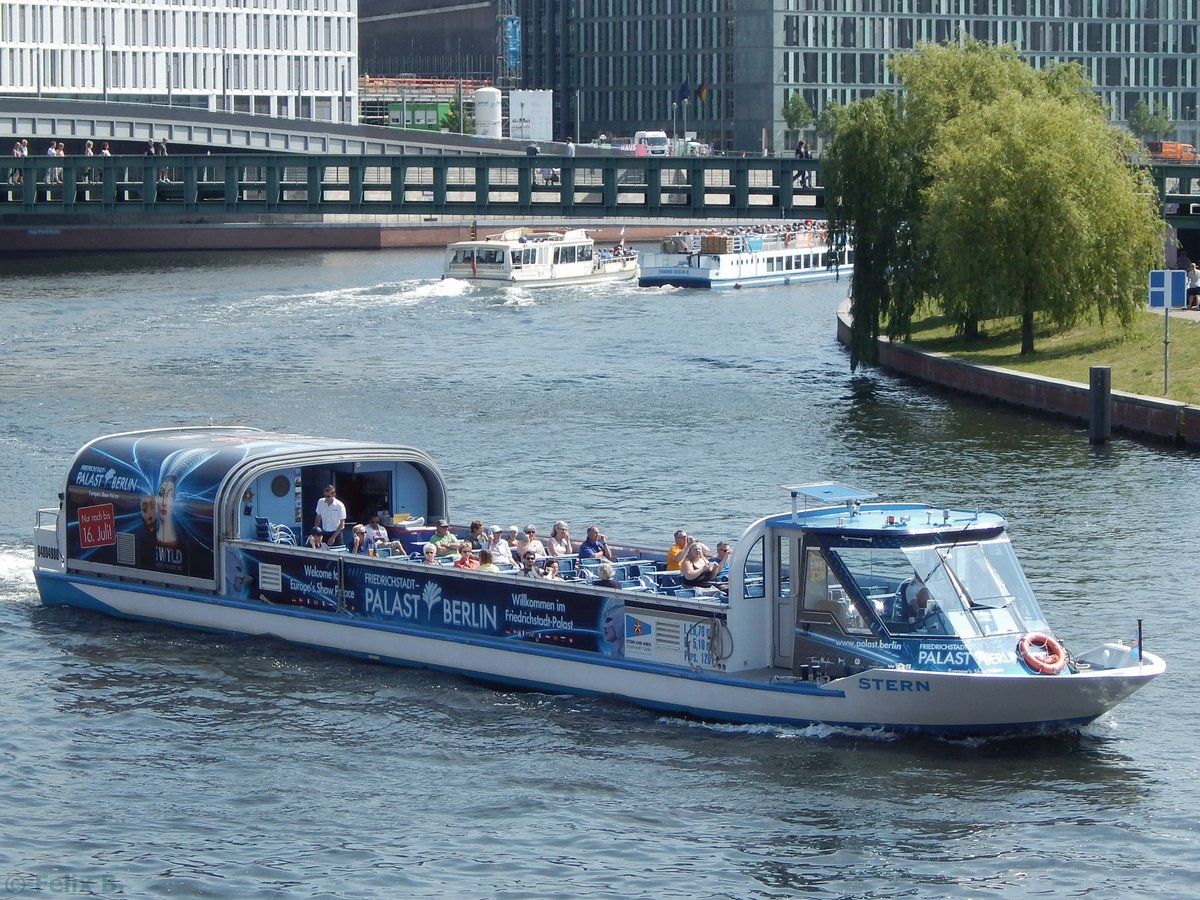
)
(1147, 123)
(990, 189)
(797, 114)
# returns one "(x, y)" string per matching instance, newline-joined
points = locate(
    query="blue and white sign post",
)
(1168, 289)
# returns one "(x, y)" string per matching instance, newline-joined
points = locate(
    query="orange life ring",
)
(1042, 653)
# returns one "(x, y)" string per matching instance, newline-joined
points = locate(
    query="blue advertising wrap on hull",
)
(517, 609)
(146, 502)
(928, 653)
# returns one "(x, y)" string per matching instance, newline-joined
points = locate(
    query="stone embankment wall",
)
(1131, 413)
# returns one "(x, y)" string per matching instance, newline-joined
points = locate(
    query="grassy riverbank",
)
(1136, 357)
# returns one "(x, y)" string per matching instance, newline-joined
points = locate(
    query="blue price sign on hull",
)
(1168, 287)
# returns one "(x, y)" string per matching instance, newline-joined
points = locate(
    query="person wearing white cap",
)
(498, 546)
(511, 536)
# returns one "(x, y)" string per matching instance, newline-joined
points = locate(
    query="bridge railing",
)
(480, 185)
(251, 184)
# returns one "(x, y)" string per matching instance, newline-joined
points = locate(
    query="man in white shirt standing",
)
(331, 516)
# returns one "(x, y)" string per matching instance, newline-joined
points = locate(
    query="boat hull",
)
(879, 698)
(514, 280)
(680, 276)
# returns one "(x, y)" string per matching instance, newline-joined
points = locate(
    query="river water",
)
(141, 760)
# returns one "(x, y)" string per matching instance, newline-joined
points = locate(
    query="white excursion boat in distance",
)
(745, 257)
(530, 258)
(899, 616)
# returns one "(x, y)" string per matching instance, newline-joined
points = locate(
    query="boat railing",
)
(51, 513)
(633, 570)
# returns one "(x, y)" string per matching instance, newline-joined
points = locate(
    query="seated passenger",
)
(485, 562)
(465, 558)
(723, 552)
(596, 545)
(676, 550)
(559, 543)
(529, 565)
(606, 576)
(530, 542)
(696, 569)
(429, 554)
(476, 535)
(363, 544)
(550, 571)
(376, 529)
(316, 540)
(512, 537)
(444, 540)
(498, 546)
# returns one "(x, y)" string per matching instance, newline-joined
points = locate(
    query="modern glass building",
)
(284, 58)
(639, 63)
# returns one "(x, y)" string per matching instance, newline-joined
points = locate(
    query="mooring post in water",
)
(1100, 394)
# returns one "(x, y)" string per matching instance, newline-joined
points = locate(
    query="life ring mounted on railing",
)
(1042, 653)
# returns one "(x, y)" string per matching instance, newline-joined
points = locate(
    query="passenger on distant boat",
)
(595, 545)
(498, 546)
(465, 559)
(512, 536)
(476, 535)
(559, 543)
(429, 553)
(363, 544)
(606, 576)
(530, 542)
(550, 571)
(485, 562)
(696, 569)
(376, 529)
(316, 540)
(529, 565)
(444, 540)
(676, 550)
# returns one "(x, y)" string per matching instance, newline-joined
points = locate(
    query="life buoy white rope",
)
(1042, 653)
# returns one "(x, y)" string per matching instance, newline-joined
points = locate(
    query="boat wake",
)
(816, 731)
(16, 574)
(411, 292)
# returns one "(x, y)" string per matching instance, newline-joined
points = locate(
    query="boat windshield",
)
(973, 588)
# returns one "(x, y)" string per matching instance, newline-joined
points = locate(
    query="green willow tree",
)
(1033, 212)
(949, 112)
(869, 176)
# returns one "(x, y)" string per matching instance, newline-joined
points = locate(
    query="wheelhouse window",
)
(824, 593)
(754, 571)
(974, 588)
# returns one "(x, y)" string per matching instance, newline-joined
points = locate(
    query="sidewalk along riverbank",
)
(1132, 414)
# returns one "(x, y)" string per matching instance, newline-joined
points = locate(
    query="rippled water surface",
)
(143, 761)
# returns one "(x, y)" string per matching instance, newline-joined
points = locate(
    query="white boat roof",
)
(530, 236)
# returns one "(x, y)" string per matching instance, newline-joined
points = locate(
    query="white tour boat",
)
(741, 257)
(531, 258)
(902, 616)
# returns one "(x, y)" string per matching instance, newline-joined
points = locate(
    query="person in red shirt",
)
(465, 559)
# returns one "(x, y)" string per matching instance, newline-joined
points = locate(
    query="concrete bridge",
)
(232, 168)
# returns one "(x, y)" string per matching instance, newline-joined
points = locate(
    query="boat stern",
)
(48, 552)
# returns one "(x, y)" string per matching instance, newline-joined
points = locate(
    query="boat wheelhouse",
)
(531, 258)
(844, 611)
(740, 257)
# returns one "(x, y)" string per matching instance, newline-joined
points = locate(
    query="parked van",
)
(655, 143)
(1173, 151)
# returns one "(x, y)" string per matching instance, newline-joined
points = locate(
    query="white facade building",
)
(284, 58)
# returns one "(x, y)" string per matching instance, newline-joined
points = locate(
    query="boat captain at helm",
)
(915, 610)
